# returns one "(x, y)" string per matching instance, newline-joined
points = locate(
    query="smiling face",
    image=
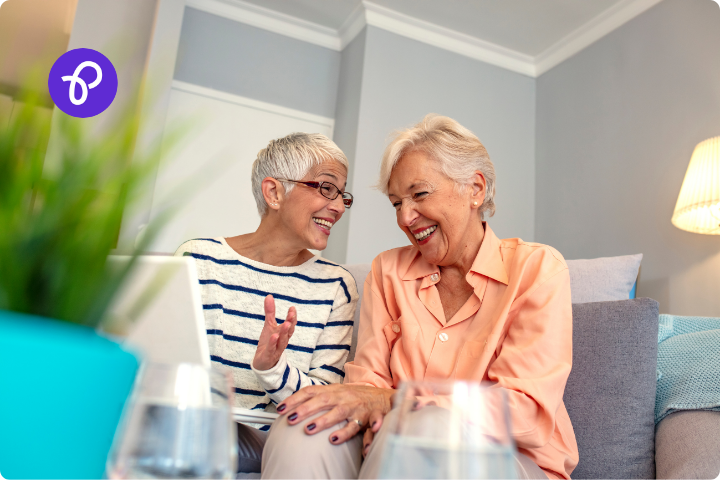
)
(306, 215)
(441, 221)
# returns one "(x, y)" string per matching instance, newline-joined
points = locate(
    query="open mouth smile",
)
(425, 233)
(325, 225)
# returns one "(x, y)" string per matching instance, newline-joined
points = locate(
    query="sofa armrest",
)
(687, 445)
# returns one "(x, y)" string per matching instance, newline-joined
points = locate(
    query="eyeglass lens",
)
(328, 190)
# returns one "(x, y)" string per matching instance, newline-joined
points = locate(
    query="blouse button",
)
(443, 337)
(434, 277)
(395, 328)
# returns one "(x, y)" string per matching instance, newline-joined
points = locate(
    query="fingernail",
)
(334, 439)
(311, 426)
(373, 424)
(281, 407)
(416, 404)
(292, 417)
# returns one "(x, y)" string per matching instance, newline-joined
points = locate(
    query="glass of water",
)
(178, 425)
(449, 429)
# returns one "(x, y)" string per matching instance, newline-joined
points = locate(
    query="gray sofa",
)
(610, 397)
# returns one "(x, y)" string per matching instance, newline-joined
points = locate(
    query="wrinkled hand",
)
(344, 402)
(273, 337)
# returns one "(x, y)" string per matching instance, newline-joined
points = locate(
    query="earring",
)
(274, 204)
(475, 204)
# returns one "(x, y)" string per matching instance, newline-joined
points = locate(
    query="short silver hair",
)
(458, 152)
(291, 158)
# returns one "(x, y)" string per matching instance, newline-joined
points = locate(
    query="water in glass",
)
(449, 429)
(178, 425)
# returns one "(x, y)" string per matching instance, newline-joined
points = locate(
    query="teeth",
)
(422, 235)
(322, 222)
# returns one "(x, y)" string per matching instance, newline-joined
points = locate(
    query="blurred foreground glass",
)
(178, 425)
(449, 429)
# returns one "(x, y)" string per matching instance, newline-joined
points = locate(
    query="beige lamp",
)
(698, 205)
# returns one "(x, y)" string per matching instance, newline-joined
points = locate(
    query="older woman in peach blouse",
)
(458, 303)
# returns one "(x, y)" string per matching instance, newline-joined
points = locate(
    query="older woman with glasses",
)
(457, 303)
(250, 282)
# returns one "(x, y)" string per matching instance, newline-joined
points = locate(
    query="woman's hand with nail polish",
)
(366, 404)
(375, 422)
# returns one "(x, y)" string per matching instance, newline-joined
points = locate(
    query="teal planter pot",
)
(62, 392)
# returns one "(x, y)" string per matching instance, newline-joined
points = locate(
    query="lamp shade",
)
(698, 205)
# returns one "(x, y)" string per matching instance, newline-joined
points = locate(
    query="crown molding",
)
(353, 25)
(592, 31)
(368, 13)
(270, 20)
(448, 39)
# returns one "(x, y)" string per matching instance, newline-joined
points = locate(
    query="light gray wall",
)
(402, 81)
(616, 125)
(233, 57)
(347, 116)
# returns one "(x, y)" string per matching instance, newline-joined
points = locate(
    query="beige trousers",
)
(291, 453)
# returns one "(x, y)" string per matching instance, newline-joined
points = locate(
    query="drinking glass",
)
(178, 425)
(449, 429)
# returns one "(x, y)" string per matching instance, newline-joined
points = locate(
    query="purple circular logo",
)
(83, 82)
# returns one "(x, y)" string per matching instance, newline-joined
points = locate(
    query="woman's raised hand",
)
(273, 337)
(365, 404)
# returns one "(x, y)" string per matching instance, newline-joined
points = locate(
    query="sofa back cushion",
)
(359, 272)
(610, 394)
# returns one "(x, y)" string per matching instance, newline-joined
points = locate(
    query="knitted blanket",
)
(688, 367)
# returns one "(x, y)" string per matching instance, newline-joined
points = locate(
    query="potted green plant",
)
(62, 386)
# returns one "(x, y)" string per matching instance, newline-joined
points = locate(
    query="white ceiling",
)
(526, 26)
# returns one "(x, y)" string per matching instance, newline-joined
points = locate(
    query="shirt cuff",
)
(271, 378)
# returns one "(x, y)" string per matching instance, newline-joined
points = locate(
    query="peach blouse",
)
(514, 331)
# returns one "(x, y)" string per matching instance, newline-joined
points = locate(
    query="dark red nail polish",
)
(334, 439)
(311, 426)
(281, 407)
(292, 417)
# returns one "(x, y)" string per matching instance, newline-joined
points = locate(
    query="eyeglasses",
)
(327, 190)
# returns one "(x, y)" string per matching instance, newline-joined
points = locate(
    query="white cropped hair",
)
(457, 150)
(291, 158)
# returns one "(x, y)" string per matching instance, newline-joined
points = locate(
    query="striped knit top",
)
(233, 289)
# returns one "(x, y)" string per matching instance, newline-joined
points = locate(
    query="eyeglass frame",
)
(318, 186)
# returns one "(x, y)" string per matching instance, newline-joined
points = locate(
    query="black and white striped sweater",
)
(233, 289)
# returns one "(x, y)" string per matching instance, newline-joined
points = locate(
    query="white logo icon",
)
(74, 78)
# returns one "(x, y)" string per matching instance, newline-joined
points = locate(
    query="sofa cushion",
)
(603, 279)
(687, 445)
(359, 272)
(610, 394)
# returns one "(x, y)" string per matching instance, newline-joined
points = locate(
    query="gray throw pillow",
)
(687, 445)
(603, 279)
(610, 394)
